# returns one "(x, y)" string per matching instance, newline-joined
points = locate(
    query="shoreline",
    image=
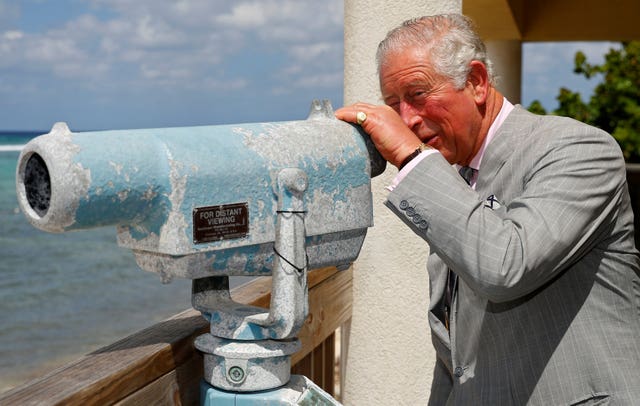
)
(11, 148)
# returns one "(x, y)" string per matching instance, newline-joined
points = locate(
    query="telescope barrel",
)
(181, 191)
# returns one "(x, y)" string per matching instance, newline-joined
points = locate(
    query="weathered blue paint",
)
(252, 331)
(148, 182)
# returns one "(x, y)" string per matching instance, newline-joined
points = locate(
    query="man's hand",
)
(391, 136)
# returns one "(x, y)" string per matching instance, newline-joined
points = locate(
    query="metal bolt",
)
(236, 374)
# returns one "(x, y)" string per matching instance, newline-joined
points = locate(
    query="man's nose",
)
(409, 115)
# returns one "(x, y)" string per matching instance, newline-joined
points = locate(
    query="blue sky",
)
(109, 64)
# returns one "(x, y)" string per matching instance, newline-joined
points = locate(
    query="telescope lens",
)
(37, 184)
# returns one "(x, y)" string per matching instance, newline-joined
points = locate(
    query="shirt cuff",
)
(408, 167)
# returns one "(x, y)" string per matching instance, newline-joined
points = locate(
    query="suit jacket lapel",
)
(500, 148)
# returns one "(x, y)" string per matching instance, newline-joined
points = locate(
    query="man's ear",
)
(478, 81)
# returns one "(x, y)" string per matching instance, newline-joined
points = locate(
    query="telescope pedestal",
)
(299, 391)
(248, 350)
(245, 366)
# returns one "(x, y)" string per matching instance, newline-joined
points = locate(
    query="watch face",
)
(423, 147)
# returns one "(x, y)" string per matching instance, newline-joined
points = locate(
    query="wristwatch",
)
(414, 154)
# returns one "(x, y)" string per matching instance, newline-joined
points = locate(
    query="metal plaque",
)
(223, 222)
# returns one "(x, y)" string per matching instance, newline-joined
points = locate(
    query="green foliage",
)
(615, 103)
(537, 108)
(571, 105)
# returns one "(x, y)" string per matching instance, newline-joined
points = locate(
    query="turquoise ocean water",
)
(65, 295)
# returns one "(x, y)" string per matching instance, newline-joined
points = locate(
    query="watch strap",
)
(414, 154)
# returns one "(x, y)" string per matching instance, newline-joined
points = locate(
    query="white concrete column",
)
(507, 59)
(390, 357)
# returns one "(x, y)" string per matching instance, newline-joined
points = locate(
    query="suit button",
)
(458, 372)
(417, 219)
(411, 211)
(423, 225)
(404, 204)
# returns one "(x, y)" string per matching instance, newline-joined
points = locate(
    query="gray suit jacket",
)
(547, 310)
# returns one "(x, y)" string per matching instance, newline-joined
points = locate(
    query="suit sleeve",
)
(567, 197)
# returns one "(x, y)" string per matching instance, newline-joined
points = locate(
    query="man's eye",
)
(418, 94)
(394, 105)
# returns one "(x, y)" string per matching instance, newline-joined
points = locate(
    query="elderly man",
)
(534, 276)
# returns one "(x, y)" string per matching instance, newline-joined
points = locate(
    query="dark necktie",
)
(467, 174)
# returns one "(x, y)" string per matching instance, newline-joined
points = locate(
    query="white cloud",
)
(169, 43)
(245, 16)
(13, 35)
(162, 61)
(52, 51)
(155, 33)
(314, 52)
(213, 84)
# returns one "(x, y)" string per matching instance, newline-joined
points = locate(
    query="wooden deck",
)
(160, 366)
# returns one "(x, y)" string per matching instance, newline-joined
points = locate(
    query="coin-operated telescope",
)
(210, 202)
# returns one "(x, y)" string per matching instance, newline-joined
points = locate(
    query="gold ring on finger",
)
(361, 116)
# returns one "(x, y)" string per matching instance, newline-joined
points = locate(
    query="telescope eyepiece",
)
(37, 184)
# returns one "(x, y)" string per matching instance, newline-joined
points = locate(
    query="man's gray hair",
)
(450, 40)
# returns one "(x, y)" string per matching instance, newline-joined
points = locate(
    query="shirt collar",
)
(506, 108)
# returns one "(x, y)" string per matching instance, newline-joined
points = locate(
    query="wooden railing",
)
(160, 366)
